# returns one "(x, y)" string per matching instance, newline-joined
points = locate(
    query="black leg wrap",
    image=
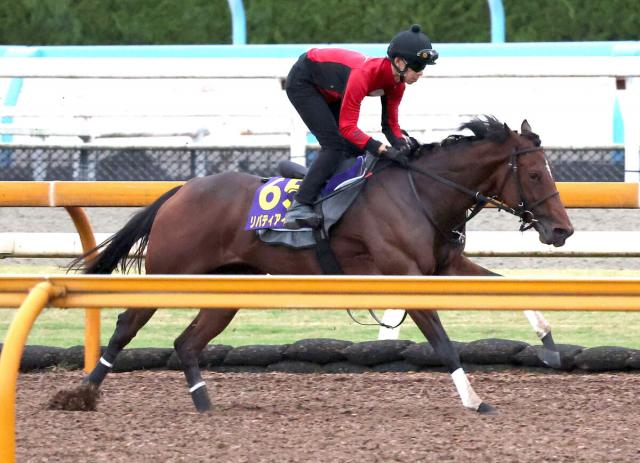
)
(549, 354)
(201, 399)
(98, 374)
(547, 341)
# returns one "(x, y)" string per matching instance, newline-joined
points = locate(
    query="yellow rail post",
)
(12, 350)
(357, 292)
(599, 194)
(91, 316)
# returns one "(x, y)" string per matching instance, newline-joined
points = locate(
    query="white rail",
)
(269, 68)
(569, 100)
(479, 243)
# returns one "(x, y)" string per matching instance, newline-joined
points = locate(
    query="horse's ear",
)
(506, 128)
(525, 127)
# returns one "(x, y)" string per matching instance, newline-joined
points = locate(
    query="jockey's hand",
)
(412, 142)
(403, 144)
(401, 156)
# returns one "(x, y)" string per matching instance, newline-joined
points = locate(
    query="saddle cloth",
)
(271, 200)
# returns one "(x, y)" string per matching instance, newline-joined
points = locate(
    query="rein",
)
(378, 321)
(524, 210)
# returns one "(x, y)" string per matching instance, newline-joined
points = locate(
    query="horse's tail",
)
(115, 250)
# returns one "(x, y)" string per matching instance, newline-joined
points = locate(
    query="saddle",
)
(336, 197)
(275, 195)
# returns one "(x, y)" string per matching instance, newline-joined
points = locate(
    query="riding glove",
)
(401, 156)
(413, 143)
(403, 144)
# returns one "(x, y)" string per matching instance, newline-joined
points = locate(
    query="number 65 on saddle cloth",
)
(271, 200)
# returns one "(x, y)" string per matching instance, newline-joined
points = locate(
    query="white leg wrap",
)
(105, 363)
(538, 323)
(196, 386)
(468, 396)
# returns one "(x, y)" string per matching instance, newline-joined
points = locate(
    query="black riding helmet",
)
(414, 47)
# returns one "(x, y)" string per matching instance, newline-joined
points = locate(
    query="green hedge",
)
(107, 22)
(114, 22)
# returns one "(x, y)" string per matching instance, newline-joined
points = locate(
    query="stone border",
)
(335, 356)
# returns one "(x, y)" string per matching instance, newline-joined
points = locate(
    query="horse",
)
(407, 220)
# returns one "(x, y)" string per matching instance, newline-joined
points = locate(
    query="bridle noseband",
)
(524, 209)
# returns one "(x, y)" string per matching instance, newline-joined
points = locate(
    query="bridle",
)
(523, 210)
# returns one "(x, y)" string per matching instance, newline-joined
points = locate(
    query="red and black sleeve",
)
(390, 105)
(354, 93)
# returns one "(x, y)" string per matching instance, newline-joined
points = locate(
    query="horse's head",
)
(529, 188)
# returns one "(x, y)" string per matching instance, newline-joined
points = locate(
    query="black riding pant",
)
(321, 118)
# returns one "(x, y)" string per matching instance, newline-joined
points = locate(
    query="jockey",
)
(327, 86)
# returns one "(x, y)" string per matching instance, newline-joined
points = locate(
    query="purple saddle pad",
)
(272, 199)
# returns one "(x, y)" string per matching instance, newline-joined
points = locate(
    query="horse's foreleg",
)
(429, 323)
(206, 326)
(549, 354)
(129, 323)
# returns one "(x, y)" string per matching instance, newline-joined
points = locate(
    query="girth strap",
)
(325, 255)
(330, 266)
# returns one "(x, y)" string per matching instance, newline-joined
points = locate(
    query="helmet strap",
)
(400, 72)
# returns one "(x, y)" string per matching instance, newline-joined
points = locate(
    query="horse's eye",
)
(535, 176)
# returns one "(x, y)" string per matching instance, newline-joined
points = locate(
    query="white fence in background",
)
(479, 243)
(569, 101)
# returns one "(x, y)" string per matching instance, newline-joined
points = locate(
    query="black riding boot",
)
(301, 213)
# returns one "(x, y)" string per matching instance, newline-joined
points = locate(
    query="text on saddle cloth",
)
(271, 201)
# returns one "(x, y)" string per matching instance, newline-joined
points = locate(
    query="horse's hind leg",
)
(85, 397)
(206, 326)
(129, 323)
(429, 323)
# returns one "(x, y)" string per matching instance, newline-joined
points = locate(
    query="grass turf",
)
(64, 328)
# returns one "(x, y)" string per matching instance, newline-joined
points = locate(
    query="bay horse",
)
(405, 221)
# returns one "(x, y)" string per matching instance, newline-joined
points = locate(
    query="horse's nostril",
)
(562, 232)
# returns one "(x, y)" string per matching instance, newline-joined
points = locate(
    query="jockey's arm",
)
(354, 93)
(390, 127)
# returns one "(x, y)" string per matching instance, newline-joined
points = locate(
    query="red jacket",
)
(350, 76)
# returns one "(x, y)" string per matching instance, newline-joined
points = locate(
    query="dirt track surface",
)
(385, 417)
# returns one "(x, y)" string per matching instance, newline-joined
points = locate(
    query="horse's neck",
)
(478, 168)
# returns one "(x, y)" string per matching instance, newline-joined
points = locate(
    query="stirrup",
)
(297, 224)
(301, 216)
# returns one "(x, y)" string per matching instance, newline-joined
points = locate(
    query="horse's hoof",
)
(550, 358)
(203, 408)
(486, 409)
(201, 400)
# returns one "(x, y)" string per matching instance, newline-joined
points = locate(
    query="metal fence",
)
(602, 164)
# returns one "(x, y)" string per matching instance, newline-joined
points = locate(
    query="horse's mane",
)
(483, 128)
